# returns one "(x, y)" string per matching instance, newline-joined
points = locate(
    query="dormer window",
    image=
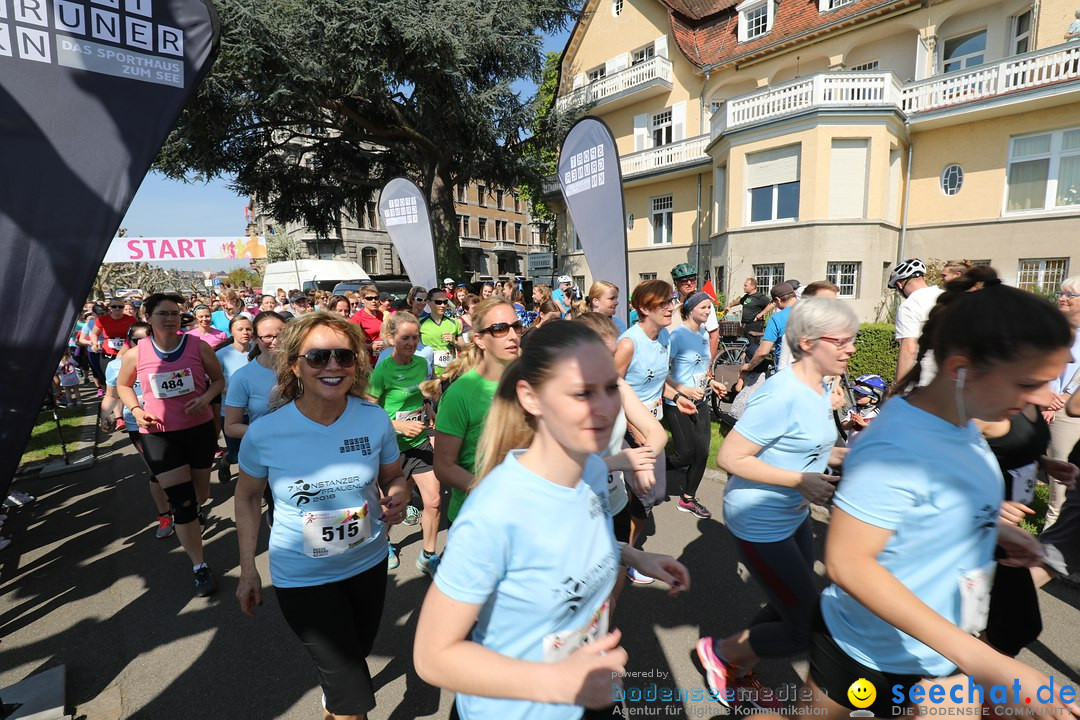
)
(755, 18)
(826, 5)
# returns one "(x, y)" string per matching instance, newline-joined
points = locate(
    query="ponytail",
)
(989, 322)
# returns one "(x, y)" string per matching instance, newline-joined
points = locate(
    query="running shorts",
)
(418, 460)
(172, 449)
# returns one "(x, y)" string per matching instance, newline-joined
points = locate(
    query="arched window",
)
(369, 260)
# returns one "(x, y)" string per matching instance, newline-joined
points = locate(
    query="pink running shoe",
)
(716, 671)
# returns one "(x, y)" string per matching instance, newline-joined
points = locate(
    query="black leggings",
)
(337, 622)
(785, 571)
(688, 453)
(95, 368)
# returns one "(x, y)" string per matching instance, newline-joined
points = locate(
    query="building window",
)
(845, 275)
(499, 199)
(596, 73)
(1020, 42)
(755, 18)
(642, 55)
(616, 7)
(826, 5)
(463, 226)
(768, 275)
(461, 196)
(964, 51)
(647, 276)
(369, 218)
(718, 279)
(517, 233)
(369, 259)
(482, 228)
(579, 282)
(517, 203)
(661, 128)
(500, 231)
(952, 179)
(1041, 275)
(481, 196)
(866, 67)
(772, 184)
(661, 219)
(1044, 171)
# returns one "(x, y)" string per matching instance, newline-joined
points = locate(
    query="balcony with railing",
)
(847, 90)
(636, 82)
(665, 157)
(469, 242)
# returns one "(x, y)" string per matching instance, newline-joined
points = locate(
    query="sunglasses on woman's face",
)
(320, 358)
(440, 302)
(498, 330)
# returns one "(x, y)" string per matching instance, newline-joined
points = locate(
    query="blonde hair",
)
(508, 425)
(395, 321)
(598, 289)
(600, 324)
(468, 358)
(545, 293)
(288, 387)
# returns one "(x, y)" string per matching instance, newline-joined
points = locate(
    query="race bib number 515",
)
(333, 532)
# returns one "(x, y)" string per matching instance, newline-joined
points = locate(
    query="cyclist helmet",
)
(906, 269)
(872, 385)
(682, 271)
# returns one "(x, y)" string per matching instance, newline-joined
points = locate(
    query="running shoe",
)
(219, 453)
(412, 515)
(392, 560)
(205, 584)
(165, 526)
(693, 507)
(18, 499)
(638, 578)
(427, 564)
(100, 393)
(224, 472)
(202, 517)
(716, 671)
(121, 426)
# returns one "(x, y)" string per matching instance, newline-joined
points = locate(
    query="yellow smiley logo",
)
(862, 693)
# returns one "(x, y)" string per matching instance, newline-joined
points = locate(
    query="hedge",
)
(876, 352)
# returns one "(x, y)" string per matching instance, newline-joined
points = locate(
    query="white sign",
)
(141, 249)
(541, 261)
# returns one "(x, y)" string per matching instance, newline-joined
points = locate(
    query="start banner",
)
(160, 249)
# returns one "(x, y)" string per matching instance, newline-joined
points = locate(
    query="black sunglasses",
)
(440, 302)
(116, 307)
(498, 330)
(318, 359)
(371, 297)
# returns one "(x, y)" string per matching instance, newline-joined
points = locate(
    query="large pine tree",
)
(314, 104)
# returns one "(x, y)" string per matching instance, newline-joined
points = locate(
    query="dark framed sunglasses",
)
(320, 358)
(371, 297)
(498, 330)
(440, 302)
(116, 307)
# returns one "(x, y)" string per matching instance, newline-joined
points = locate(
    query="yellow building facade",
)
(823, 140)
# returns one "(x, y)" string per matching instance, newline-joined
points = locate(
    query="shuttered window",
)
(847, 178)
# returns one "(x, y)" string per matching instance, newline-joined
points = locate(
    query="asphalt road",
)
(86, 584)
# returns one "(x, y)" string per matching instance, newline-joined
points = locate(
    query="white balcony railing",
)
(469, 242)
(665, 157)
(869, 90)
(623, 81)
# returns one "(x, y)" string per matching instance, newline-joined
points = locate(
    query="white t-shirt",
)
(910, 318)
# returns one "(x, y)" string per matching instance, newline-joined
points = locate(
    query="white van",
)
(309, 275)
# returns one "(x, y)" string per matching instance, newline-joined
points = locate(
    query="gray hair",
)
(816, 317)
(1071, 284)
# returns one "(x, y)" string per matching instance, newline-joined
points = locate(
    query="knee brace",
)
(184, 505)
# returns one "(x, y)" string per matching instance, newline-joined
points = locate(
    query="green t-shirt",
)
(462, 412)
(397, 389)
(431, 334)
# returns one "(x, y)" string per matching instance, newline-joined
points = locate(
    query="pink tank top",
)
(171, 382)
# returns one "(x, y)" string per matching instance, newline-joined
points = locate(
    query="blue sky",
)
(166, 208)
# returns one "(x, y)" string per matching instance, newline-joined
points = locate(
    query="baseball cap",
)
(793, 283)
(448, 281)
(386, 296)
(780, 290)
(565, 279)
(298, 297)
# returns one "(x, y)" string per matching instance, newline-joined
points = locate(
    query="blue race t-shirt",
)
(250, 388)
(220, 320)
(324, 480)
(649, 366)
(231, 360)
(689, 353)
(112, 374)
(938, 488)
(774, 330)
(794, 426)
(542, 577)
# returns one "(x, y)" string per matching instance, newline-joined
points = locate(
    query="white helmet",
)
(906, 269)
(565, 279)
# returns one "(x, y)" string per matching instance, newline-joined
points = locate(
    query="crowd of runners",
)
(345, 415)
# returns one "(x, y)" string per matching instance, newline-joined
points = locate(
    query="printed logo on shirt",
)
(596, 506)
(987, 517)
(361, 444)
(572, 591)
(304, 492)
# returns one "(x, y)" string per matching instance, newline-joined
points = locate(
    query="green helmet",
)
(683, 270)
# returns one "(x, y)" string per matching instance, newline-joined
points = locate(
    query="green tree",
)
(547, 131)
(313, 105)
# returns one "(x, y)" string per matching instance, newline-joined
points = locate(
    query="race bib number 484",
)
(172, 384)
